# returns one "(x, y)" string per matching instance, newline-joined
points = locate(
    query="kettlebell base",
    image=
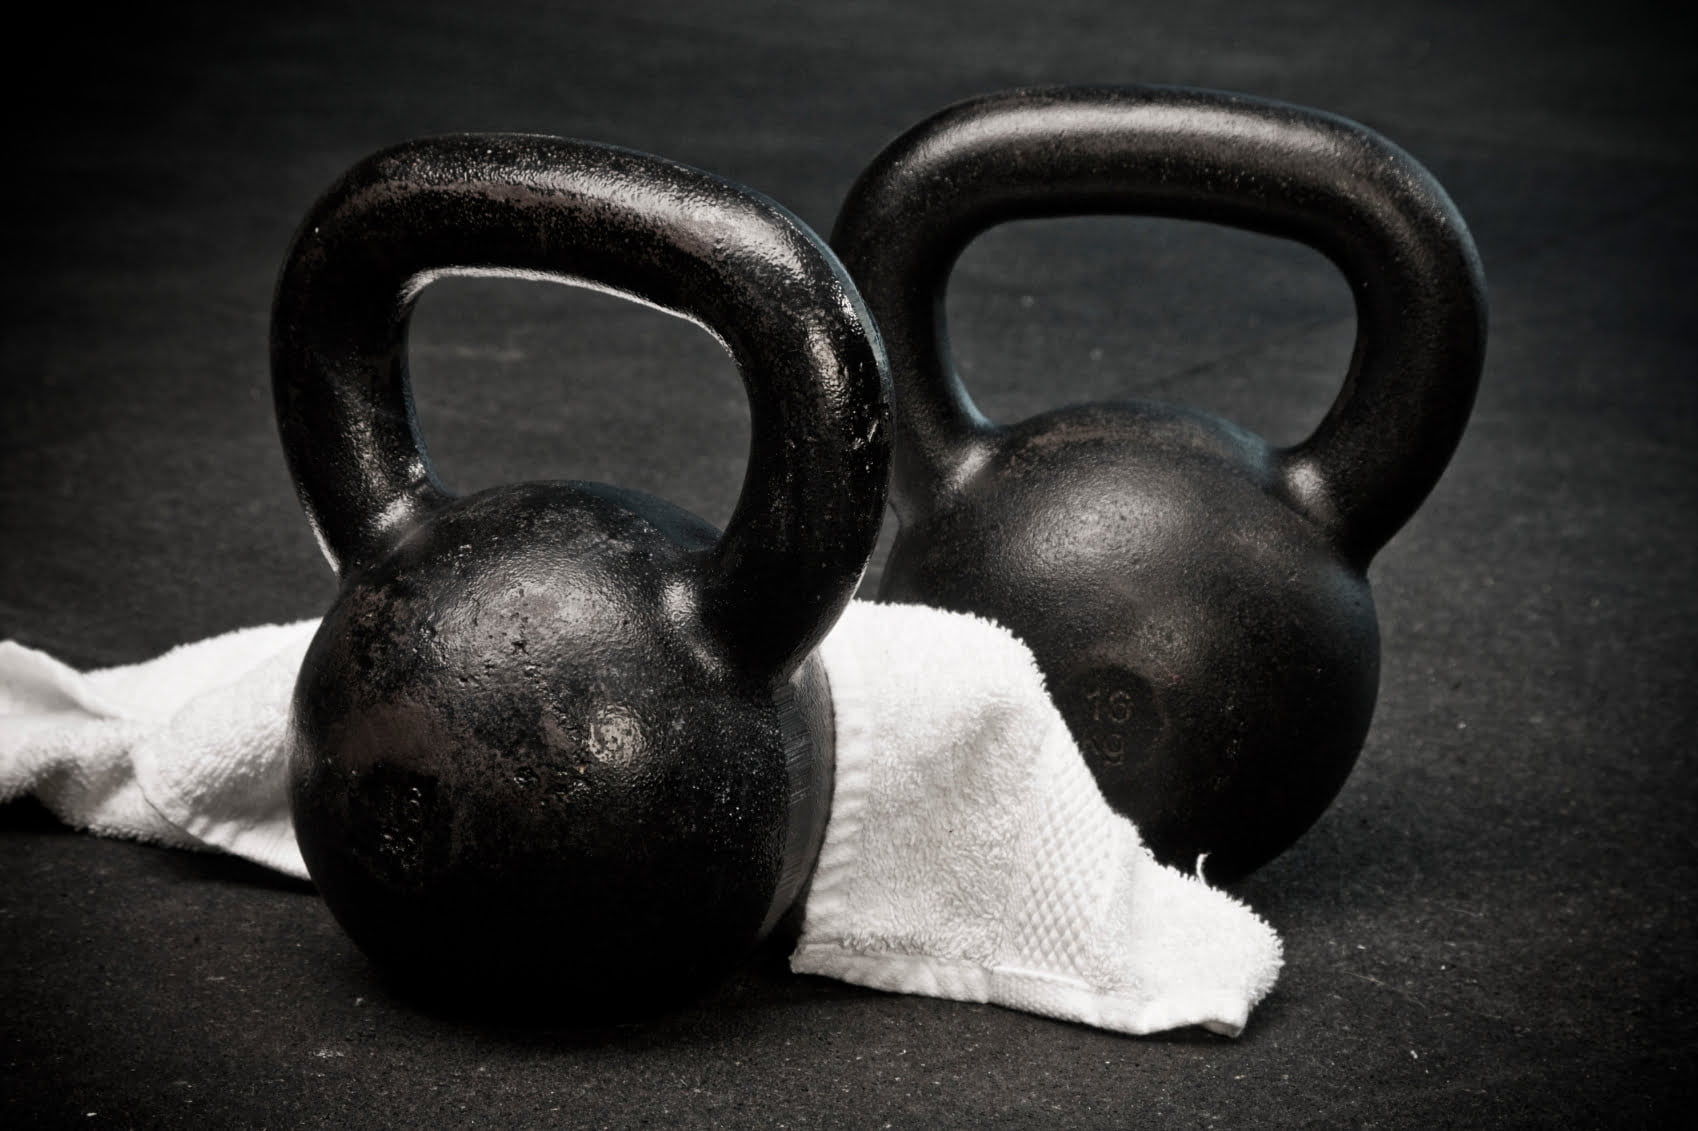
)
(601, 822)
(1216, 661)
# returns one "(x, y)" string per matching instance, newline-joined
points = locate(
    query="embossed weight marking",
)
(1197, 599)
(563, 746)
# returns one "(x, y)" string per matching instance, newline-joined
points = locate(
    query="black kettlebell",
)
(561, 745)
(1197, 599)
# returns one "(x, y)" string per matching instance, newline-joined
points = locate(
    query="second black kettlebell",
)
(1197, 599)
(562, 746)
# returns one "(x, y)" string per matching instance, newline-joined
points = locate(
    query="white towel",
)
(969, 853)
(184, 750)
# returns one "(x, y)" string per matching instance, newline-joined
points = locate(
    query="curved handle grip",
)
(652, 230)
(1190, 154)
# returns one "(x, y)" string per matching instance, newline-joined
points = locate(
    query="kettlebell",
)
(1196, 598)
(563, 746)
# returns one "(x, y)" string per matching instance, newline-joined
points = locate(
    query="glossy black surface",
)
(1196, 598)
(562, 746)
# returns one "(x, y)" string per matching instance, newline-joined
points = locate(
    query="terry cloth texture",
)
(969, 854)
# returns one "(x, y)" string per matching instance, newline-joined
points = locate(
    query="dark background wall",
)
(1493, 925)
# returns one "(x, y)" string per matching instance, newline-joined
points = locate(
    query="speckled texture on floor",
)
(1492, 926)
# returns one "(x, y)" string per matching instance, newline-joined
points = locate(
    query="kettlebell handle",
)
(612, 219)
(1250, 163)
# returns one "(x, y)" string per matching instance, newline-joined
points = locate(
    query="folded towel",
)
(969, 854)
(184, 750)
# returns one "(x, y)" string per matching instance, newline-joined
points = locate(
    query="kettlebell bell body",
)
(564, 746)
(1196, 598)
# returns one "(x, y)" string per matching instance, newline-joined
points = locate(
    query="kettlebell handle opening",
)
(662, 233)
(1255, 164)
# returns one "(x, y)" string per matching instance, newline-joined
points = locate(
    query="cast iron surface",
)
(1197, 599)
(561, 744)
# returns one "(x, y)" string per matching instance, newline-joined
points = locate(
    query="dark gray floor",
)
(1492, 926)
